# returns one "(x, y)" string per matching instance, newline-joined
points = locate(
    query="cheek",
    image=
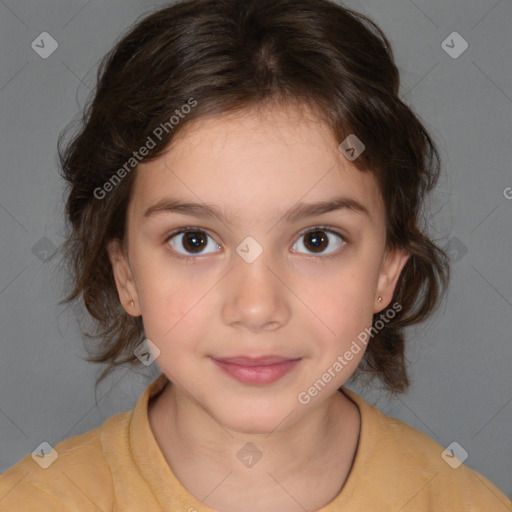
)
(167, 289)
(342, 295)
(343, 300)
(165, 298)
(170, 322)
(168, 311)
(176, 308)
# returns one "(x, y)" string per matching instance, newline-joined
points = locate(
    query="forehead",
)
(255, 162)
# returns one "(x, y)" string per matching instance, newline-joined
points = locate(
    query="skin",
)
(293, 301)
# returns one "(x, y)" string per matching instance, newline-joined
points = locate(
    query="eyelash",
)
(326, 229)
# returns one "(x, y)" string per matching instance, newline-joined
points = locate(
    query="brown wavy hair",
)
(227, 55)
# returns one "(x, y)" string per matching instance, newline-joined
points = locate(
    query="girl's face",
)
(254, 237)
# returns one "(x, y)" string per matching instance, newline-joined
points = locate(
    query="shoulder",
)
(75, 475)
(417, 473)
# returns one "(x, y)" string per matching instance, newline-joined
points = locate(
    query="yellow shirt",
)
(119, 467)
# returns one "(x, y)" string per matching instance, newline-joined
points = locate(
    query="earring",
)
(131, 302)
(379, 299)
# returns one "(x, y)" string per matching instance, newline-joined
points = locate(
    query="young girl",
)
(244, 201)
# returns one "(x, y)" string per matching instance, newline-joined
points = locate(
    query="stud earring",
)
(131, 302)
(379, 299)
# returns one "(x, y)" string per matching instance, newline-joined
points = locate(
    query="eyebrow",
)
(297, 212)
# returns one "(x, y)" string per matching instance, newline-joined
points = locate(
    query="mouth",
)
(256, 371)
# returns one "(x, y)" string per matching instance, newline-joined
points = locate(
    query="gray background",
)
(460, 360)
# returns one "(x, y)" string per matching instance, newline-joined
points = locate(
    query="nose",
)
(255, 297)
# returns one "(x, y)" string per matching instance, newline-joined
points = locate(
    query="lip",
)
(256, 371)
(254, 361)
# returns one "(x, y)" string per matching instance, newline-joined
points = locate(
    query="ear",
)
(125, 283)
(394, 262)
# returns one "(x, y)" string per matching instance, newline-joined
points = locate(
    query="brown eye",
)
(319, 241)
(187, 242)
(194, 241)
(316, 241)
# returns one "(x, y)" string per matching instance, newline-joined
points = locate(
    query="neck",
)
(319, 448)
